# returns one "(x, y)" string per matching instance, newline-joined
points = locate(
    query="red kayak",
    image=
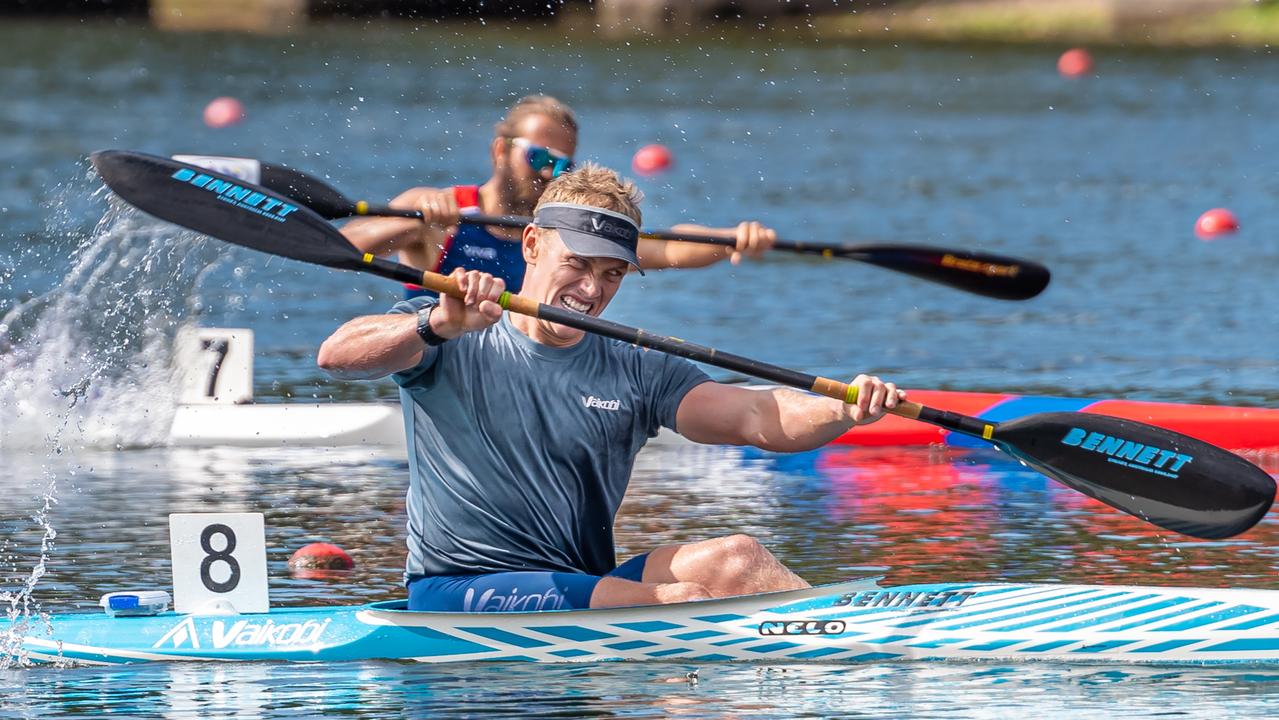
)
(1235, 428)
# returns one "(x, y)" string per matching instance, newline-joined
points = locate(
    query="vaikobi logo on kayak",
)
(1147, 458)
(802, 627)
(243, 633)
(240, 197)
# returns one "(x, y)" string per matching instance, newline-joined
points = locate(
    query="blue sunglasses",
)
(539, 158)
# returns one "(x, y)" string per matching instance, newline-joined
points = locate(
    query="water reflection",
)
(917, 515)
(647, 690)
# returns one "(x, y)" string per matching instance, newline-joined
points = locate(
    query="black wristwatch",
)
(424, 331)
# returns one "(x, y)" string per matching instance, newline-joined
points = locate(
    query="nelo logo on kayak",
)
(594, 402)
(244, 633)
(802, 627)
(902, 599)
(1135, 455)
(241, 197)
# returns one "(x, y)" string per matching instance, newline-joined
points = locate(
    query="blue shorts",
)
(514, 591)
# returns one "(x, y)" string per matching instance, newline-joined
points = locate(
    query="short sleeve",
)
(418, 375)
(668, 380)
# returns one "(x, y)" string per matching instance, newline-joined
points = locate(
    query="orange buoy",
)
(651, 159)
(1073, 63)
(223, 112)
(320, 556)
(1215, 223)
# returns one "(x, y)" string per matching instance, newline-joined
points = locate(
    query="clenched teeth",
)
(574, 305)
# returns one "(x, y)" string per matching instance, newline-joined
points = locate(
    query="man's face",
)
(519, 183)
(557, 277)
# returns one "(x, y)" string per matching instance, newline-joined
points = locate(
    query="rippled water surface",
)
(973, 147)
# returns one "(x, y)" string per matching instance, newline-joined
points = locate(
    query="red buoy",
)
(320, 556)
(222, 112)
(1074, 63)
(651, 159)
(1215, 223)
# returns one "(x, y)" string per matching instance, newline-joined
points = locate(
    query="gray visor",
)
(591, 231)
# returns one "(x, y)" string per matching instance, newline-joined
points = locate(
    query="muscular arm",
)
(779, 420)
(752, 240)
(380, 236)
(372, 347)
(663, 254)
(375, 346)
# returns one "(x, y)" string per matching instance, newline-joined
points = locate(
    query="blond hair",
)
(595, 186)
(530, 105)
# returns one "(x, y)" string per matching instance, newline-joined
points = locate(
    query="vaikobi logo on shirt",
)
(590, 401)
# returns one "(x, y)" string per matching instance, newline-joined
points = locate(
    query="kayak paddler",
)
(523, 433)
(532, 145)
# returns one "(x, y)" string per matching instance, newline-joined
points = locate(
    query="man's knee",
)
(741, 545)
(739, 553)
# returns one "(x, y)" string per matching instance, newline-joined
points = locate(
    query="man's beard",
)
(517, 198)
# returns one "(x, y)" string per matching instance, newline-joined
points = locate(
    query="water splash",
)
(97, 348)
(88, 363)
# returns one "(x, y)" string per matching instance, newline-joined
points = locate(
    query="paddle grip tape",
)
(971, 426)
(833, 389)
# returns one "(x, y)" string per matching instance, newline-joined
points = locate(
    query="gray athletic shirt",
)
(520, 453)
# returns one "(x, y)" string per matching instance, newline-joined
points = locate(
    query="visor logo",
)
(606, 226)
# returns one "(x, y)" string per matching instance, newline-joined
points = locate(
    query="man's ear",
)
(497, 149)
(531, 244)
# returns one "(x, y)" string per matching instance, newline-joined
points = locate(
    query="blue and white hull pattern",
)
(843, 623)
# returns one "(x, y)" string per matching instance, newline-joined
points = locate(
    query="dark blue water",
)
(972, 147)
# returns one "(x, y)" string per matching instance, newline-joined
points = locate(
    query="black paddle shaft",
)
(986, 274)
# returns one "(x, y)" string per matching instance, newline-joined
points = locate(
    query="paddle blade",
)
(1169, 479)
(995, 276)
(226, 208)
(310, 191)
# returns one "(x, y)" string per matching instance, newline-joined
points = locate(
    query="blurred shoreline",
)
(1150, 23)
(1133, 23)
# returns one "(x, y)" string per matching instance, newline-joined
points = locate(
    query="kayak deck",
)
(851, 622)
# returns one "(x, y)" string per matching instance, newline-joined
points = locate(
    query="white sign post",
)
(219, 562)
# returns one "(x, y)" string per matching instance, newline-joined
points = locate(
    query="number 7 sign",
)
(219, 559)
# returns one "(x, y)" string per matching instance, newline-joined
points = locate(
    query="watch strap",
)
(424, 331)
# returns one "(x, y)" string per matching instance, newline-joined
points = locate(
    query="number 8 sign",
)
(218, 559)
